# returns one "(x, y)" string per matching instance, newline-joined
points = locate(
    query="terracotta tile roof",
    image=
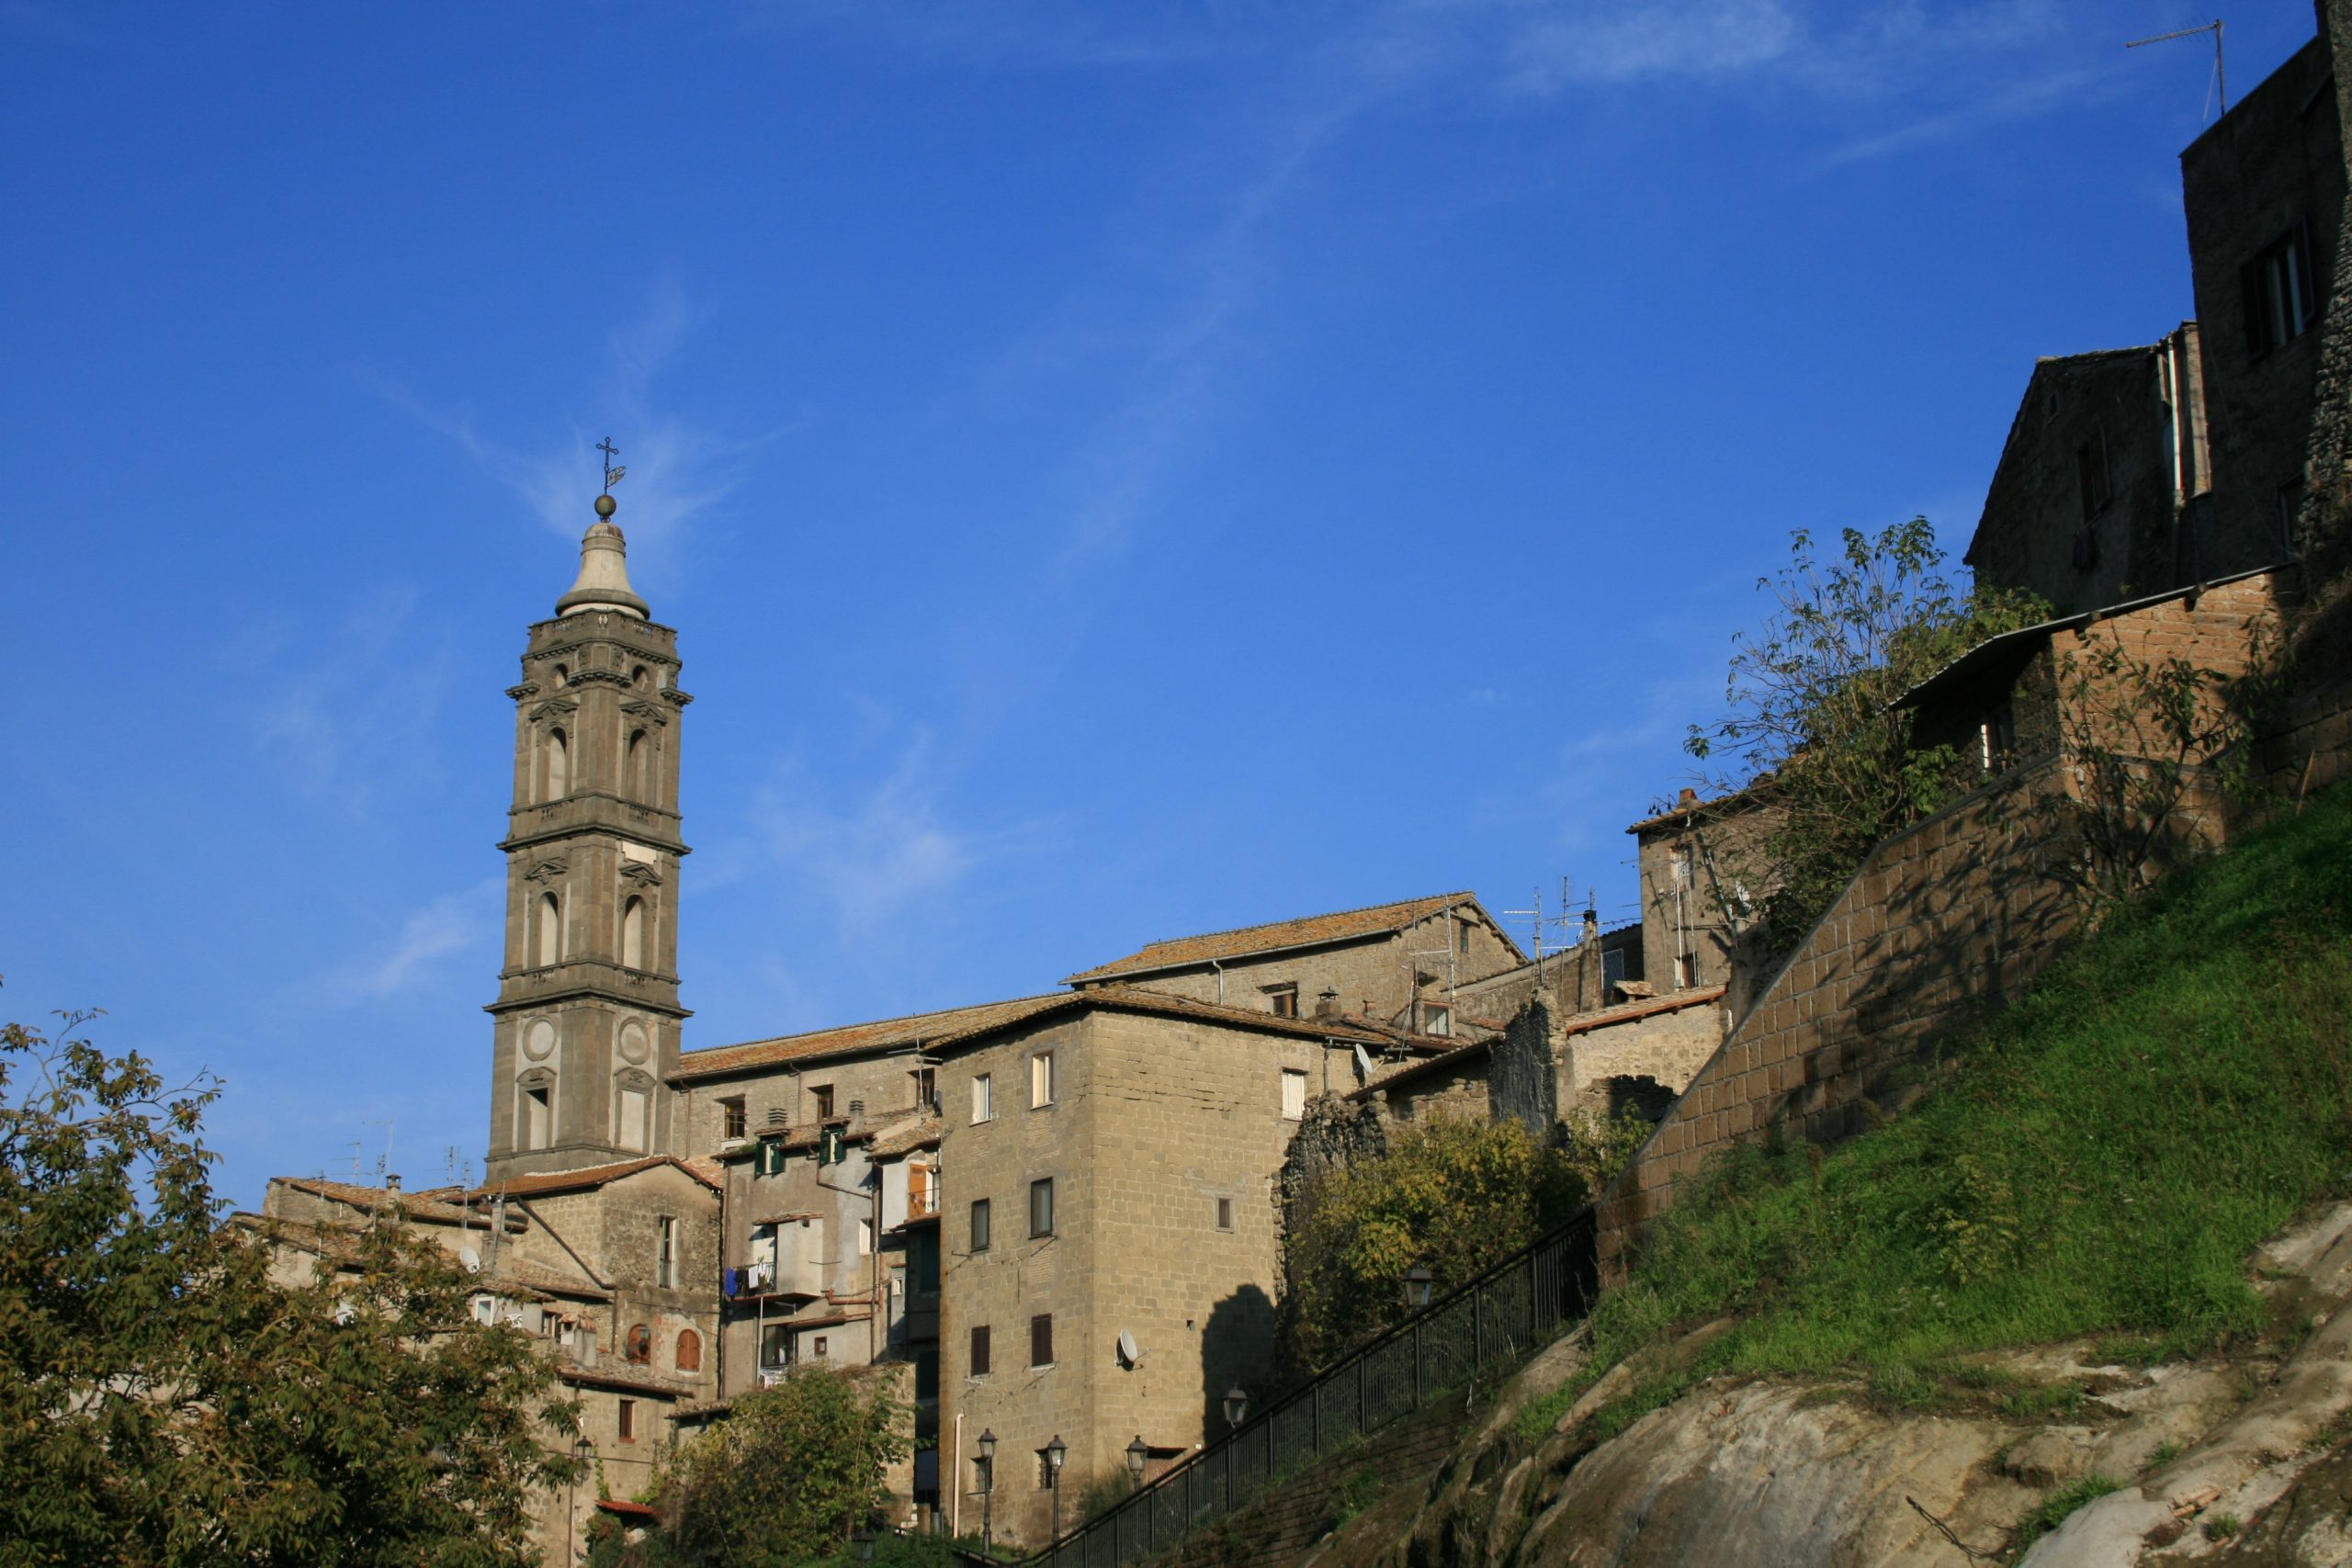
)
(632, 1380)
(539, 1277)
(920, 1129)
(1343, 925)
(340, 1241)
(881, 1034)
(955, 1025)
(1683, 809)
(590, 1176)
(1428, 1066)
(415, 1205)
(1626, 1012)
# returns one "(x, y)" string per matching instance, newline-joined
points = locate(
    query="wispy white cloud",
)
(1562, 46)
(878, 851)
(465, 921)
(2018, 101)
(321, 711)
(679, 468)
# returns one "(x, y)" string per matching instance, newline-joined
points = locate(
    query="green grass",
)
(2099, 1159)
(2057, 1505)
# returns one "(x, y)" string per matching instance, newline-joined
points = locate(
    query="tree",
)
(1450, 1195)
(1810, 698)
(165, 1402)
(786, 1476)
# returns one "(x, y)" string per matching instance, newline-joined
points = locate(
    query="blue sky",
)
(1117, 471)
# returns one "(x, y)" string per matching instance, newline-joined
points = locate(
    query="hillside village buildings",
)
(1055, 1216)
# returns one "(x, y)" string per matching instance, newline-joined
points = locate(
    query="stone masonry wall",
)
(1943, 921)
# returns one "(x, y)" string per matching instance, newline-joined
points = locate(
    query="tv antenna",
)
(1538, 919)
(2221, 83)
(384, 1164)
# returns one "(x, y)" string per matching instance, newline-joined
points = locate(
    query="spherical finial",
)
(606, 506)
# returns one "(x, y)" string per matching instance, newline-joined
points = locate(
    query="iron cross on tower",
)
(612, 471)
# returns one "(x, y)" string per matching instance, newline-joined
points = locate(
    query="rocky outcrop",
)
(2240, 1460)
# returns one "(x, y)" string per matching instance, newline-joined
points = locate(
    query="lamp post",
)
(1236, 1405)
(862, 1539)
(581, 1449)
(1417, 1281)
(1137, 1453)
(1056, 1451)
(987, 1489)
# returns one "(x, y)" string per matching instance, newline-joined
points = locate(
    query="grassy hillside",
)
(2099, 1159)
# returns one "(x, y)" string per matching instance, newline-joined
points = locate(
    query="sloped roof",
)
(415, 1205)
(590, 1176)
(919, 1131)
(918, 1028)
(340, 1242)
(1745, 796)
(957, 1025)
(1311, 931)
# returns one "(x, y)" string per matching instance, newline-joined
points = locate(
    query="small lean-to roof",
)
(958, 1026)
(920, 1129)
(591, 1176)
(1998, 660)
(1310, 931)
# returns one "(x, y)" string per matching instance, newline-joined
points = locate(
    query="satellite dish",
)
(470, 1258)
(1127, 1349)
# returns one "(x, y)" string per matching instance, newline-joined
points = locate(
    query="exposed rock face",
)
(2255, 1452)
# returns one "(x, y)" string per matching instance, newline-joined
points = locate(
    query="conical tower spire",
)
(603, 570)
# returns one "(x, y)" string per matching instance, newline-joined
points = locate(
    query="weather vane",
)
(612, 471)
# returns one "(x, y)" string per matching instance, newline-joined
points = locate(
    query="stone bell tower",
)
(587, 1015)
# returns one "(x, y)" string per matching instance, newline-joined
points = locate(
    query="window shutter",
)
(1041, 1339)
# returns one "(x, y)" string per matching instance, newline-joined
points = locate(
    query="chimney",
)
(1327, 1003)
(391, 1183)
(856, 1108)
(1689, 797)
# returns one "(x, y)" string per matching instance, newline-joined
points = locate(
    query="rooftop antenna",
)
(2221, 83)
(384, 1165)
(357, 1145)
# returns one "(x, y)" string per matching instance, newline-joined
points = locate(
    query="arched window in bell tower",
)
(550, 946)
(633, 934)
(555, 782)
(641, 766)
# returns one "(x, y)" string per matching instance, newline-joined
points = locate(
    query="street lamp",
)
(581, 1449)
(1417, 1280)
(1137, 1454)
(862, 1539)
(1056, 1451)
(987, 1487)
(1236, 1405)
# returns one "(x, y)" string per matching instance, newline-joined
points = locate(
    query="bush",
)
(1452, 1196)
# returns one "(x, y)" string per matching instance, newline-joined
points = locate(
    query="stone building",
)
(2103, 489)
(1703, 872)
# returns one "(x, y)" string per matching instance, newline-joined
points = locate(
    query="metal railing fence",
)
(1502, 1315)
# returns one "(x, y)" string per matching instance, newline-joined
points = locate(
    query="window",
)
(558, 781)
(865, 1238)
(1041, 1206)
(823, 1095)
(550, 929)
(639, 775)
(665, 1262)
(536, 1116)
(626, 1420)
(689, 1356)
(633, 935)
(923, 1190)
(1613, 966)
(1041, 1080)
(979, 1349)
(983, 1099)
(2278, 299)
(637, 1347)
(1999, 739)
(1437, 1018)
(1225, 1213)
(634, 1107)
(2091, 476)
(775, 1347)
(925, 1081)
(1461, 937)
(980, 1225)
(1041, 1340)
(1293, 1095)
(732, 1122)
(1282, 1000)
(1686, 971)
(818, 1347)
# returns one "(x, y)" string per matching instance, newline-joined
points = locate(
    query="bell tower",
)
(587, 1018)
